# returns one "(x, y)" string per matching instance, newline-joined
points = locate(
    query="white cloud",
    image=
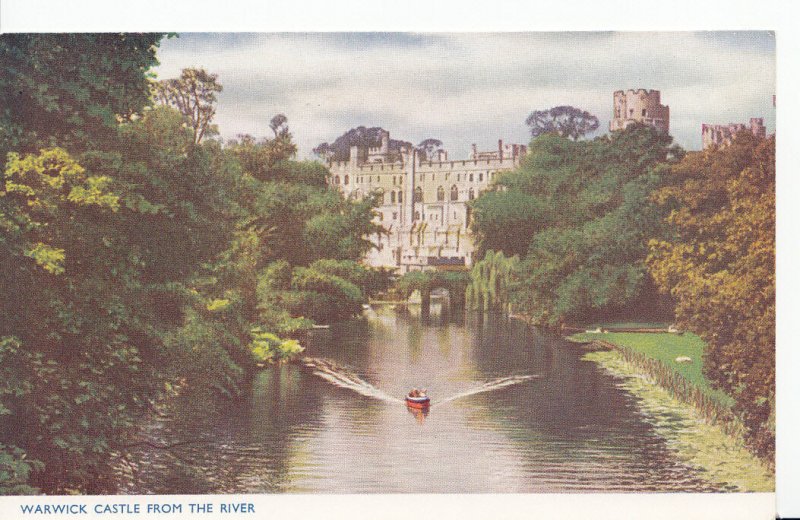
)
(458, 87)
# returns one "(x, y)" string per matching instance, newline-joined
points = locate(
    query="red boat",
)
(418, 402)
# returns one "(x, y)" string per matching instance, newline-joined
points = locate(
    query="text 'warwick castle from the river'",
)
(424, 206)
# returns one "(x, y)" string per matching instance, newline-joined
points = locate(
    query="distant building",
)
(639, 106)
(722, 135)
(424, 205)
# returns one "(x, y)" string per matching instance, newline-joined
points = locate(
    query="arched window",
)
(454, 192)
(336, 180)
(393, 197)
(399, 196)
(471, 178)
(440, 194)
(471, 193)
(418, 194)
(346, 180)
(480, 177)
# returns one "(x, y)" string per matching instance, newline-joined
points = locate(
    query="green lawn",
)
(665, 347)
(630, 325)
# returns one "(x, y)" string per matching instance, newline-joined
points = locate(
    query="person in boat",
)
(418, 393)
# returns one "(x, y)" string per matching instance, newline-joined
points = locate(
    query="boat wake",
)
(345, 378)
(494, 384)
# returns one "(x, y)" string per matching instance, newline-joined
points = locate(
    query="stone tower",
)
(639, 106)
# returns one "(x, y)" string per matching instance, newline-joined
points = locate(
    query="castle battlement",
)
(423, 202)
(639, 106)
(723, 135)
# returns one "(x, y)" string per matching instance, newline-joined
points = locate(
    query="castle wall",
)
(723, 135)
(424, 205)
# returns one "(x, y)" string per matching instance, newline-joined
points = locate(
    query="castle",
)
(722, 135)
(639, 106)
(424, 200)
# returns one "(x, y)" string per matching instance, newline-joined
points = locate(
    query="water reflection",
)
(513, 411)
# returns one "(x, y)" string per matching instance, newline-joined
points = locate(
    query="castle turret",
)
(639, 106)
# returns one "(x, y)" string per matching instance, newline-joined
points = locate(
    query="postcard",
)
(252, 273)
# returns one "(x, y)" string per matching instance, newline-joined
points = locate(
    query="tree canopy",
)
(140, 258)
(579, 215)
(565, 121)
(194, 95)
(360, 136)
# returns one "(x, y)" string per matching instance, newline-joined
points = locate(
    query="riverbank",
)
(687, 413)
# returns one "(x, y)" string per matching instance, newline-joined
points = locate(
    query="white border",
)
(505, 15)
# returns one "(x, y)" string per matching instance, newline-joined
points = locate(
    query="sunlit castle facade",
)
(424, 209)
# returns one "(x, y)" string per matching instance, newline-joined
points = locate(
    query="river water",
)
(513, 411)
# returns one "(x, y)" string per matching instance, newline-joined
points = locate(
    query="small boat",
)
(418, 402)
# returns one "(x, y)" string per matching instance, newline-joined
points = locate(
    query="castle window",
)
(346, 180)
(416, 215)
(631, 112)
(337, 180)
(440, 194)
(393, 196)
(394, 215)
(454, 192)
(458, 177)
(433, 176)
(418, 194)
(394, 179)
(644, 112)
(471, 177)
(480, 177)
(399, 196)
(471, 193)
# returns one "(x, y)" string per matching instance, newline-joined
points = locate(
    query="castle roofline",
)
(637, 91)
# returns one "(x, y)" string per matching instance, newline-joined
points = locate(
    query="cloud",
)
(473, 87)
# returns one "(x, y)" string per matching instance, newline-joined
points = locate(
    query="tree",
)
(580, 215)
(428, 147)
(70, 90)
(565, 121)
(193, 94)
(362, 137)
(278, 124)
(718, 263)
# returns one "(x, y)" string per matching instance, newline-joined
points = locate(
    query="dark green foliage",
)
(69, 89)
(133, 257)
(564, 121)
(362, 137)
(581, 215)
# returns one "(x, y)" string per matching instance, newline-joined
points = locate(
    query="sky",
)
(465, 88)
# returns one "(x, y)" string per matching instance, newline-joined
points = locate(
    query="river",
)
(513, 410)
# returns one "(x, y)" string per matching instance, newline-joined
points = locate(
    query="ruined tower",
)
(639, 106)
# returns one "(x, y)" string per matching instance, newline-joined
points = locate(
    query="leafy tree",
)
(193, 94)
(70, 90)
(429, 147)
(580, 214)
(278, 124)
(491, 281)
(718, 263)
(565, 121)
(360, 136)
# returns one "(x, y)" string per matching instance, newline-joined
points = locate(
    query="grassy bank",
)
(721, 458)
(666, 348)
